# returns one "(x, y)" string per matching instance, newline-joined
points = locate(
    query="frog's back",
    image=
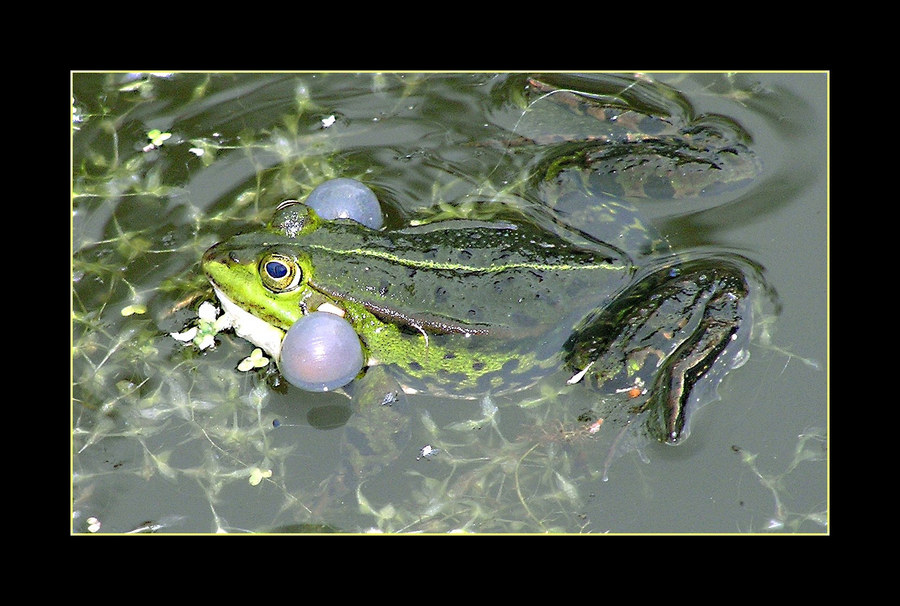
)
(499, 278)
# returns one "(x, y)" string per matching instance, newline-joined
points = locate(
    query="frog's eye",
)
(279, 273)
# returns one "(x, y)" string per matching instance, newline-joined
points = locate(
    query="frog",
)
(492, 302)
(464, 307)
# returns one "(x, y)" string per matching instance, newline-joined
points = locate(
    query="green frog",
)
(490, 303)
(464, 307)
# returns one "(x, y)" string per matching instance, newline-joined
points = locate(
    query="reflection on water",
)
(171, 438)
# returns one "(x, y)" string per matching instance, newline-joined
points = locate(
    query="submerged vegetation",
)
(179, 426)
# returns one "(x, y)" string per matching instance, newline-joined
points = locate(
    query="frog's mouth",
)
(249, 327)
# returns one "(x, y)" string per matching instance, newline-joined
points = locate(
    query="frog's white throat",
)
(247, 326)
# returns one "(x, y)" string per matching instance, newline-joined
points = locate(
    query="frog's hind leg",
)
(668, 341)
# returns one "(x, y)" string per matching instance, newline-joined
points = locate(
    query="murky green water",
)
(169, 438)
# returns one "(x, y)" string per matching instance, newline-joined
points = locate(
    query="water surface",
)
(170, 439)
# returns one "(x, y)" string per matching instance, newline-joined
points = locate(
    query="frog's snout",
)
(213, 253)
(216, 259)
(223, 255)
(211, 256)
(208, 255)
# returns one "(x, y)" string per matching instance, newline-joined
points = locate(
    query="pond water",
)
(170, 438)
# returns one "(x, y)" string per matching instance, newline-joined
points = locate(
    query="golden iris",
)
(279, 273)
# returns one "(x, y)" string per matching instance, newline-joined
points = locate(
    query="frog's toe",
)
(672, 337)
(692, 373)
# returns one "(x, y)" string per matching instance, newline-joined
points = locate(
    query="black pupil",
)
(276, 269)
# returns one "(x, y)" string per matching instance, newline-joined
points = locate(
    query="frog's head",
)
(262, 278)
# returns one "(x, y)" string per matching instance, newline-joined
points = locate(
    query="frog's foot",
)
(667, 342)
(634, 137)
